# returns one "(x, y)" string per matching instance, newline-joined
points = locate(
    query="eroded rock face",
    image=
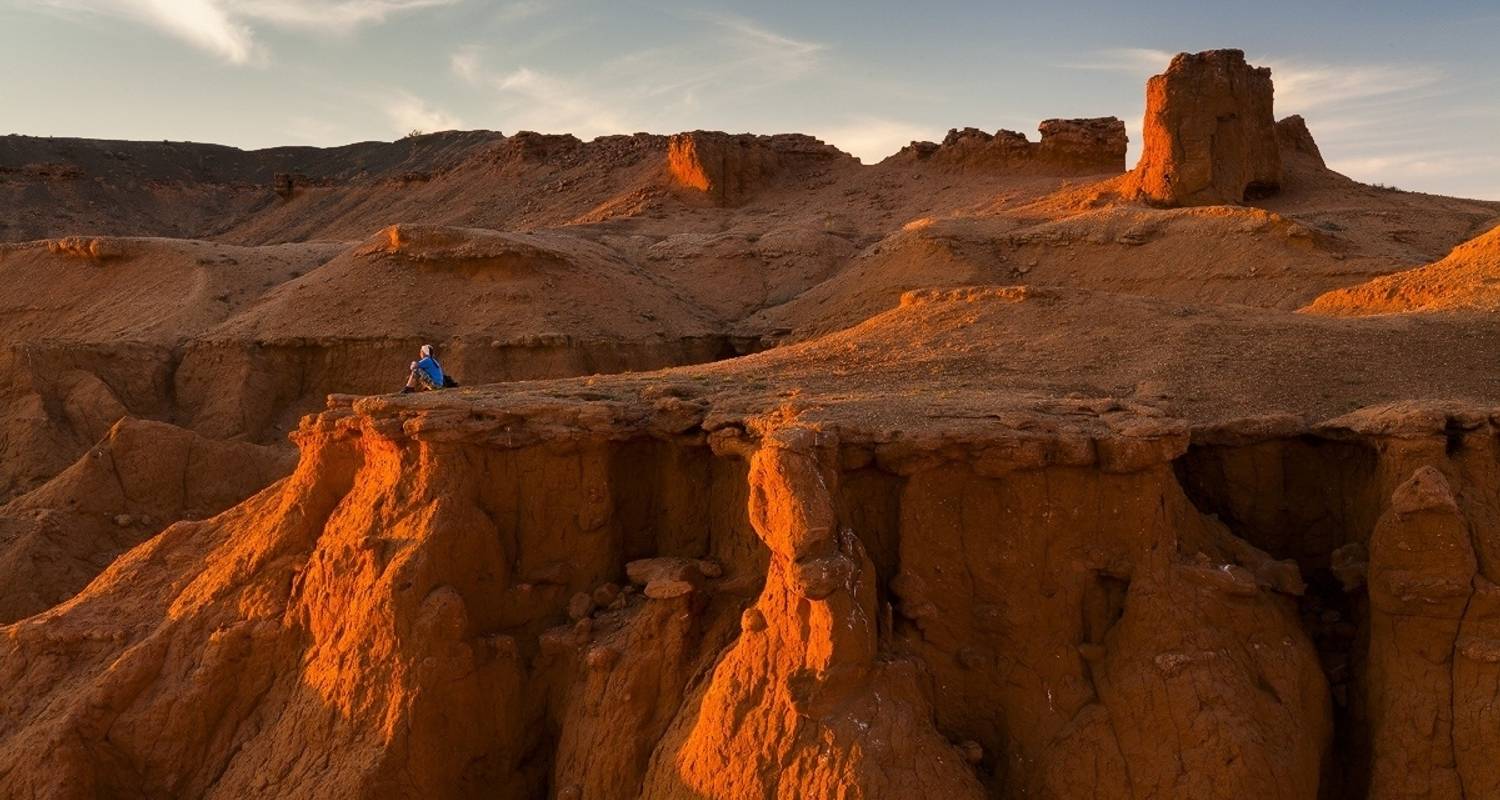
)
(1067, 146)
(1094, 144)
(1422, 673)
(877, 620)
(1210, 135)
(801, 705)
(729, 168)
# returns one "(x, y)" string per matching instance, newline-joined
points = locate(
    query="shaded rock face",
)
(1210, 135)
(729, 168)
(1294, 138)
(1067, 146)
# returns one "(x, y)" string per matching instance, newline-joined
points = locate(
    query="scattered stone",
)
(601, 657)
(580, 606)
(817, 578)
(1349, 564)
(606, 594)
(666, 577)
(1091, 652)
(973, 751)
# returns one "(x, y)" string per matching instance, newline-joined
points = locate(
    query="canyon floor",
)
(994, 469)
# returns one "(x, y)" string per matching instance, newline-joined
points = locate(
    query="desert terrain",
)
(997, 469)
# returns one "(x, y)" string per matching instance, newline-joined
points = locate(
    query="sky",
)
(1400, 93)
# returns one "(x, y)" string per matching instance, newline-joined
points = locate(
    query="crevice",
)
(1302, 498)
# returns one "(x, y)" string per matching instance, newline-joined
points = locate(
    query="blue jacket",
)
(430, 366)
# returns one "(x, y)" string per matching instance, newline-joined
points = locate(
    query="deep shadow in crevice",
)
(1302, 498)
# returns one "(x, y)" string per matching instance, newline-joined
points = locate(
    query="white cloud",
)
(873, 138)
(550, 103)
(466, 64)
(227, 28)
(407, 113)
(653, 88)
(1416, 165)
(1303, 87)
(764, 49)
(1132, 60)
(338, 15)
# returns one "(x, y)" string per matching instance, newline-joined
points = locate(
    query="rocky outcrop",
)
(803, 698)
(1296, 141)
(1210, 135)
(90, 248)
(1096, 144)
(1067, 146)
(728, 168)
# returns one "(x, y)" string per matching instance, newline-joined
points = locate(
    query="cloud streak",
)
(731, 57)
(227, 29)
(409, 113)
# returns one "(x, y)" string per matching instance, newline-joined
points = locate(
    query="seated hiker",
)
(426, 374)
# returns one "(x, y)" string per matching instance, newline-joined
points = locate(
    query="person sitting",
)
(426, 373)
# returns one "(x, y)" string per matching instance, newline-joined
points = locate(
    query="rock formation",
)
(1294, 138)
(1067, 146)
(1210, 135)
(728, 168)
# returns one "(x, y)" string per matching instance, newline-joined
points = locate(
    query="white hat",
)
(426, 351)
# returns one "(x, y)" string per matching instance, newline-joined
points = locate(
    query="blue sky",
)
(1400, 93)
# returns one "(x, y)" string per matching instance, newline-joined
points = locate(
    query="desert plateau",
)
(1012, 466)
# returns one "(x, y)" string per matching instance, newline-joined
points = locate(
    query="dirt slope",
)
(141, 477)
(1463, 281)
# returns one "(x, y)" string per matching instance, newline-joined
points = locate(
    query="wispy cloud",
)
(1133, 60)
(407, 113)
(727, 56)
(228, 28)
(1426, 165)
(1303, 87)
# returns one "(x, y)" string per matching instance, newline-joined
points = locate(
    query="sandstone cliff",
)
(1210, 134)
(870, 588)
